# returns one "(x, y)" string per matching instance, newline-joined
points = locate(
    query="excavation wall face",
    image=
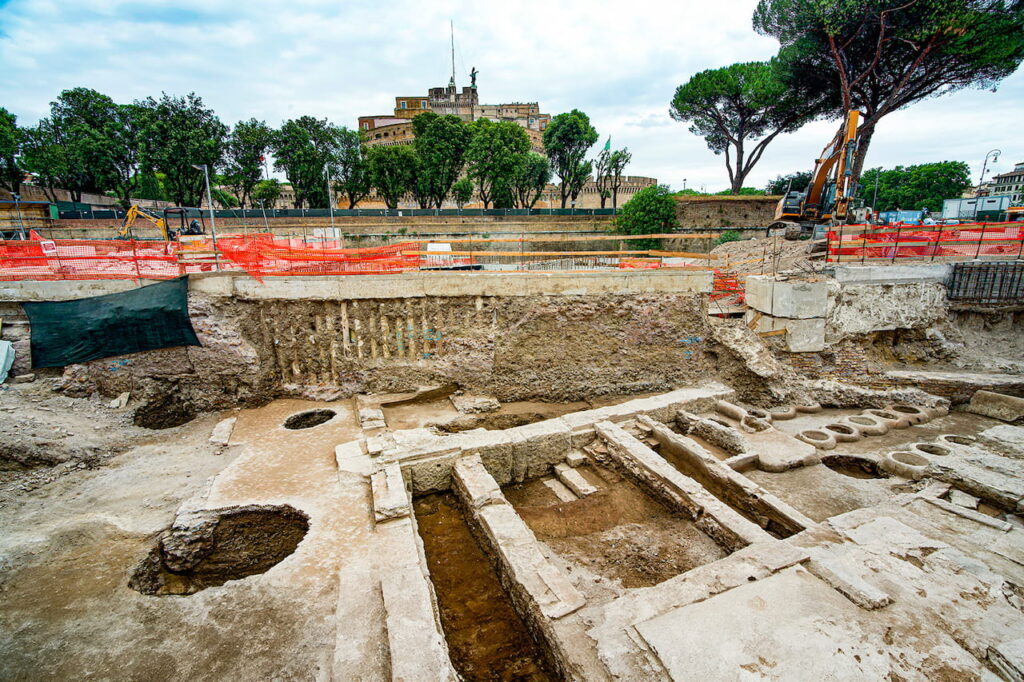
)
(512, 336)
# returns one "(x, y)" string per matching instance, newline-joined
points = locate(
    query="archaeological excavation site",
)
(527, 468)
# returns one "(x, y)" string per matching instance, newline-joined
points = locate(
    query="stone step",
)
(574, 480)
(560, 490)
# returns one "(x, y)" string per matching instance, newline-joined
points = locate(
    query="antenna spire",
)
(451, 23)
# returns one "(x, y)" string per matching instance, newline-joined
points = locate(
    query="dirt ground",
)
(763, 256)
(619, 532)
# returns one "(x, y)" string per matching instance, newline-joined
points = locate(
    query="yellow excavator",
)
(161, 222)
(826, 201)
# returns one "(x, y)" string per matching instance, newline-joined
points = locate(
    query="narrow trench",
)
(487, 640)
(772, 527)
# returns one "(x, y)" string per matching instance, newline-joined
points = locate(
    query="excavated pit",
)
(854, 467)
(309, 419)
(487, 640)
(213, 547)
(618, 532)
(164, 412)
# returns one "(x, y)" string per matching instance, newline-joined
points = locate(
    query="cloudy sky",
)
(618, 62)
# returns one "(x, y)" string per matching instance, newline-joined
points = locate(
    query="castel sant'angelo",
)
(396, 128)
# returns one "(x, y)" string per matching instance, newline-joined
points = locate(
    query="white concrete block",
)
(574, 480)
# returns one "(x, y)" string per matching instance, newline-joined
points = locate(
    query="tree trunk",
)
(561, 191)
(863, 142)
(615, 198)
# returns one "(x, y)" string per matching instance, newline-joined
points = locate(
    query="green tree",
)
(177, 134)
(304, 148)
(123, 142)
(923, 186)
(531, 175)
(602, 178)
(44, 154)
(223, 198)
(265, 193)
(462, 191)
(349, 168)
(440, 143)
(150, 186)
(617, 163)
(743, 191)
(10, 146)
(566, 141)
(493, 155)
(391, 169)
(244, 155)
(652, 210)
(739, 110)
(796, 182)
(880, 56)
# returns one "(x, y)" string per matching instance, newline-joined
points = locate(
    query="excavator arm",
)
(133, 214)
(832, 171)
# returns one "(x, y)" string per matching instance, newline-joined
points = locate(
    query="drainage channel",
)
(487, 639)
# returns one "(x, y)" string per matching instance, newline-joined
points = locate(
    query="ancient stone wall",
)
(549, 342)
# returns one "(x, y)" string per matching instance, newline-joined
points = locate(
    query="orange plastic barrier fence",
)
(963, 242)
(259, 255)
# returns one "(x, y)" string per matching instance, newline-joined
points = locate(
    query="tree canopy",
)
(350, 171)
(265, 193)
(391, 169)
(796, 182)
(567, 139)
(923, 186)
(245, 152)
(531, 175)
(739, 110)
(441, 143)
(493, 156)
(880, 56)
(304, 148)
(10, 146)
(179, 133)
(652, 210)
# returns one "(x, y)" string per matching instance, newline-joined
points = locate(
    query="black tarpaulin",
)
(147, 318)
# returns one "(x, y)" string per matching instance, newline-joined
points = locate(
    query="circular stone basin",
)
(907, 409)
(309, 419)
(864, 421)
(884, 414)
(932, 449)
(760, 414)
(909, 458)
(840, 428)
(960, 440)
(815, 434)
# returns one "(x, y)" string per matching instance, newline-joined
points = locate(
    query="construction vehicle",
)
(826, 200)
(161, 222)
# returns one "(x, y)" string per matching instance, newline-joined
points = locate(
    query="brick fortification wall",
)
(726, 211)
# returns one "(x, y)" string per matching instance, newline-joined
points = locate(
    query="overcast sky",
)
(618, 62)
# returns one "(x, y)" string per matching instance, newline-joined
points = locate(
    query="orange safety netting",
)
(726, 284)
(852, 242)
(259, 255)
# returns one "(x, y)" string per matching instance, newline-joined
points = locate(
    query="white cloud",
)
(275, 60)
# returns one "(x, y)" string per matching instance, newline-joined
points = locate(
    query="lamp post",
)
(684, 184)
(213, 220)
(17, 208)
(994, 153)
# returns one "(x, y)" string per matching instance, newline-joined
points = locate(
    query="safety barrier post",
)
(135, 259)
(1020, 233)
(935, 246)
(977, 253)
(896, 247)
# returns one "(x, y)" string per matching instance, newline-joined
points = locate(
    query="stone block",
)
(561, 492)
(573, 480)
(1007, 408)
(390, 497)
(474, 404)
(475, 486)
(575, 459)
(795, 299)
(221, 432)
(538, 447)
(802, 335)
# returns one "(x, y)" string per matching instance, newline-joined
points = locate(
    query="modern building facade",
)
(1011, 184)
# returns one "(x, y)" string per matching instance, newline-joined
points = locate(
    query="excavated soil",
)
(619, 532)
(487, 639)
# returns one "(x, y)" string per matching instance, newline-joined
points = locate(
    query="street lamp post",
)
(213, 220)
(17, 208)
(994, 153)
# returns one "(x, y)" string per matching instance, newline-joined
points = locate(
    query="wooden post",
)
(977, 253)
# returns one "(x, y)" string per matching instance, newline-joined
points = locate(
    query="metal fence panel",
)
(991, 283)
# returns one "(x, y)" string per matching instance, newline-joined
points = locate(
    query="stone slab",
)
(774, 628)
(560, 490)
(574, 480)
(390, 497)
(1007, 408)
(222, 431)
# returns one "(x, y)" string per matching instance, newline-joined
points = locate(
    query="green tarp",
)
(147, 318)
